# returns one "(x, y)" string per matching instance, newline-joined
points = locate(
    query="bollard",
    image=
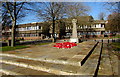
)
(108, 40)
(102, 40)
(112, 40)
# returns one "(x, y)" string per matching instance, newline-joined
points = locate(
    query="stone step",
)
(59, 69)
(1, 74)
(89, 53)
(74, 56)
(91, 65)
(41, 66)
(9, 69)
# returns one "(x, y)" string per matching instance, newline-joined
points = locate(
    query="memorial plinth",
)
(74, 37)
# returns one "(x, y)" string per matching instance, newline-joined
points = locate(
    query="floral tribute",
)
(65, 45)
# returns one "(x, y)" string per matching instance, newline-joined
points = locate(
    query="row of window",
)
(85, 26)
(39, 27)
(28, 35)
(85, 33)
(29, 28)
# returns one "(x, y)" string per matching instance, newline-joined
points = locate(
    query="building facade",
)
(86, 27)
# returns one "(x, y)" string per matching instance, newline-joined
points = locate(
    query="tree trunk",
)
(13, 27)
(13, 34)
(53, 32)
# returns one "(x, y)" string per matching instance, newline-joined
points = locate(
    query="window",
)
(27, 28)
(39, 27)
(95, 25)
(89, 26)
(98, 33)
(35, 28)
(102, 25)
(66, 28)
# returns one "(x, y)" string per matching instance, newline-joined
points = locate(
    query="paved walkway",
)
(109, 62)
(46, 60)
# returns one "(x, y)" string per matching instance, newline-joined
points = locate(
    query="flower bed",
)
(65, 45)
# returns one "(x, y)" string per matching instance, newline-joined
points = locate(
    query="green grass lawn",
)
(117, 36)
(116, 46)
(8, 48)
(42, 43)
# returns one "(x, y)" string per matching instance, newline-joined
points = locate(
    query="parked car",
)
(109, 34)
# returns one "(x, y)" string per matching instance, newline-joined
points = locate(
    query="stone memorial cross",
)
(74, 37)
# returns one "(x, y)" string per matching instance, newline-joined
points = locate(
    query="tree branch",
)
(9, 11)
(20, 8)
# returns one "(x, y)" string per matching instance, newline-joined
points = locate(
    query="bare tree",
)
(52, 11)
(113, 7)
(6, 20)
(101, 15)
(6, 25)
(114, 18)
(15, 11)
(113, 22)
(76, 9)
